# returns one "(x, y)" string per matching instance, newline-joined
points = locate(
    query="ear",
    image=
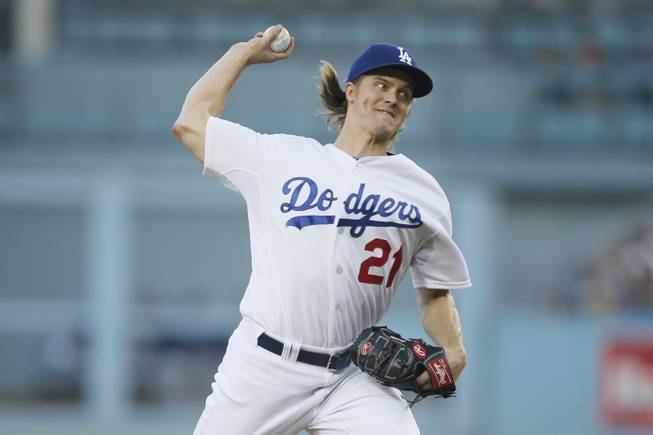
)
(350, 92)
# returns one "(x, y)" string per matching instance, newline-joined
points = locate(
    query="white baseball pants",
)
(258, 392)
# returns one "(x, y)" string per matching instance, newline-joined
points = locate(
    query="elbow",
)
(189, 127)
(184, 133)
(191, 137)
(179, 130)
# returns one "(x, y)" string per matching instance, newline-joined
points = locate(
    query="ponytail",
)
(332, 96)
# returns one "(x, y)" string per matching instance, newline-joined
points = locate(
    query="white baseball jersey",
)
(331, 236)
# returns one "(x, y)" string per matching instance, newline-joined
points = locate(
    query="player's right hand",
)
(258, 48)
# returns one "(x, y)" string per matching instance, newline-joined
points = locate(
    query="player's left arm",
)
(441, 322)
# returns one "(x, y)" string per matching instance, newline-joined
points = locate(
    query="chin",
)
(383, 137)
(383, 131)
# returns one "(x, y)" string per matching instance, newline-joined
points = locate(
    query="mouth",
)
(386, 113)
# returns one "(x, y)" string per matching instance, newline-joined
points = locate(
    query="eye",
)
(405, 95)
(381, 85)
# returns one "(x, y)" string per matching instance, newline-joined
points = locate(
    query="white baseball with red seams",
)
(281, 42)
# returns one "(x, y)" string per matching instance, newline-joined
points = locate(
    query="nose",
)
(390, 98)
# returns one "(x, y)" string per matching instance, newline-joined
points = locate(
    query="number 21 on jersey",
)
(364, 274)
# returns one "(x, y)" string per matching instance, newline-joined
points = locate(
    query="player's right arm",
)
(208, 95)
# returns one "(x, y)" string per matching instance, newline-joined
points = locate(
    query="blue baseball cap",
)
(381, 55)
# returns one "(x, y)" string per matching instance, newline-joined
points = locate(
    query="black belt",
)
(332, 362)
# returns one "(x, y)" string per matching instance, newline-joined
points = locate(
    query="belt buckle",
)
(333, 362)
(332, 359)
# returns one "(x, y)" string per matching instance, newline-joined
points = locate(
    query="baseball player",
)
(333, 228)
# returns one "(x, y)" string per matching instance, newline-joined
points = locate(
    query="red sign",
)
(626, 382)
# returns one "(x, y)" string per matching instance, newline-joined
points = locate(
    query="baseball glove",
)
(397, 362)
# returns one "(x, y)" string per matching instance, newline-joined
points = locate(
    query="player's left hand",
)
(398, 362)
(457, 361)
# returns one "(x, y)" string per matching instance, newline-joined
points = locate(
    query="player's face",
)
(380, 102)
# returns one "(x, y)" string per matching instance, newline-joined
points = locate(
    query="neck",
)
(360, 143)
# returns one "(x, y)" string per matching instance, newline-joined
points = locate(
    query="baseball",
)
(281, 42)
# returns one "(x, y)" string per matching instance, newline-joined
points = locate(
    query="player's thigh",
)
(361, 406)
(232, 407)
(255, 392)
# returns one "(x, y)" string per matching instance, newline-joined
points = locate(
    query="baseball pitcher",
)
(333, 228)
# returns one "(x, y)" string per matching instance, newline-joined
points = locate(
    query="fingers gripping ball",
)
(281, 42)
(397, 362)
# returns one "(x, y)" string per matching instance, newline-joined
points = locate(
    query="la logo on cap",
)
(404, 56)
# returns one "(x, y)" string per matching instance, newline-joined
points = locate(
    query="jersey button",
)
(341, 230)
(337, 307)
(339, 269)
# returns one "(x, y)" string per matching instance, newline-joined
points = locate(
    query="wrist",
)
(457, 359)
(239, 51)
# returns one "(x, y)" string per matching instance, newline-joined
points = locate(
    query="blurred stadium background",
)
(121, 268)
